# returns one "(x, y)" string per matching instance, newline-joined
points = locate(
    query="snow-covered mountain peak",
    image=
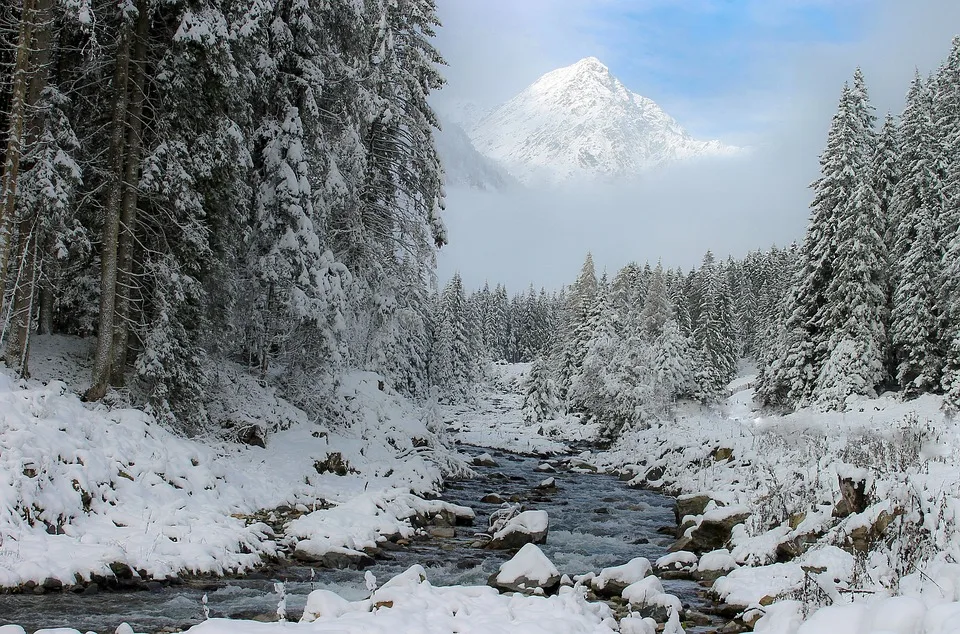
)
(580, 122)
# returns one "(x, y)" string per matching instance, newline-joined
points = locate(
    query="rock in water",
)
(529, 527)
(528, 572)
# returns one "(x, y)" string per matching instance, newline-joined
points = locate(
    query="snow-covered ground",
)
(493, 418)
(87, 491)
(851, 518)
(884, 560)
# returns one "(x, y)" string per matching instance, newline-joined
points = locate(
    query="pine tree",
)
(916, 204)
(713, 332)
(837, 255)
(540, 399)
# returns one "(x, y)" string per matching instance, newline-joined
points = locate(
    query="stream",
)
(595, 522)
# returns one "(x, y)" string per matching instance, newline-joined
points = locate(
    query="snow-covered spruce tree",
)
(830, 268)
(674, 361)
(540, 401)
(401, 194)
(453, 362)
(657, 308)
(857, 297)
(914, 327)
(887, 169)
(947, 115)
(713, 333)
(581, 302)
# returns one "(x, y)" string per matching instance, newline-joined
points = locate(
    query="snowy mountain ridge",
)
(580, 122)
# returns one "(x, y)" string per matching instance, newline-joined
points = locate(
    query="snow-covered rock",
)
(484, 460)
(410, 604)
(648, 598)
(614, 580)
(581, 122)
(529, 571)
(528, 527)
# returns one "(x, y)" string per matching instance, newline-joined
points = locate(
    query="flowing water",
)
(595, 522)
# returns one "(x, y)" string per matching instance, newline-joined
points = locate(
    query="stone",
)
(853, 497)
(654, 474)
(722, 453)
(484, 460)
(529, 527)
(694, 504)
(121, 571)
(550, 484)
(446, 532)
(337, 560)
(52, 584)
(713, 534)
(528, 572)
(252, 435)
(333, 463)
(492, 498)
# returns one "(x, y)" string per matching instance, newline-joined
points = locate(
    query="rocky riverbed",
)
(595, 522)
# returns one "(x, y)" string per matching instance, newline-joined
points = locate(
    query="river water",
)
(595, 521)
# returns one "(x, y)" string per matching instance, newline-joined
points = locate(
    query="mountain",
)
(582, 123)
(463, 165)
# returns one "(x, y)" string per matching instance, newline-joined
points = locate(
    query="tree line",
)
(876, 301)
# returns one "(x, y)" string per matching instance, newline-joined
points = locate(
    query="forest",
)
(198, 182)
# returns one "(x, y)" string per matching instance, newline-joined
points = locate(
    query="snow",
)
(649, 592)
(494, 420)
(528, 522)
(85, 487)
(679, 559)
(580, 122)
(410, 604)
(786, 472)
(717, 560)
(529, 563)
(626, 574)
(365, 521)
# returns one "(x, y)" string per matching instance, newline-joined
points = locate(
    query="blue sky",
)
(723, 68)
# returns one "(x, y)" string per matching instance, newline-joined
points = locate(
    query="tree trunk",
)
(25, 280)
(45, 320)
(17, 116)
(111, 221)
(128, 208)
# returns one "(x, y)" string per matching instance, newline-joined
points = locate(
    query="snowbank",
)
(410, 604)
(87, 492)
(851, 504)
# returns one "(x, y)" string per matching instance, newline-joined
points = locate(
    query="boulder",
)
(484, 460)
(492, 498)
(693, 504)
(550, 484)
(529, 572)
(253, 435)
(331, 557)
(714, 530)
(528, 527)
(611, 582)
(333, 463)
(722, 453)
(853, 497)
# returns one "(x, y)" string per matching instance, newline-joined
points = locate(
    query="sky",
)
(763, 74)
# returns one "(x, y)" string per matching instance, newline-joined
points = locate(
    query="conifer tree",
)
(540, 399)
(916, 205)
